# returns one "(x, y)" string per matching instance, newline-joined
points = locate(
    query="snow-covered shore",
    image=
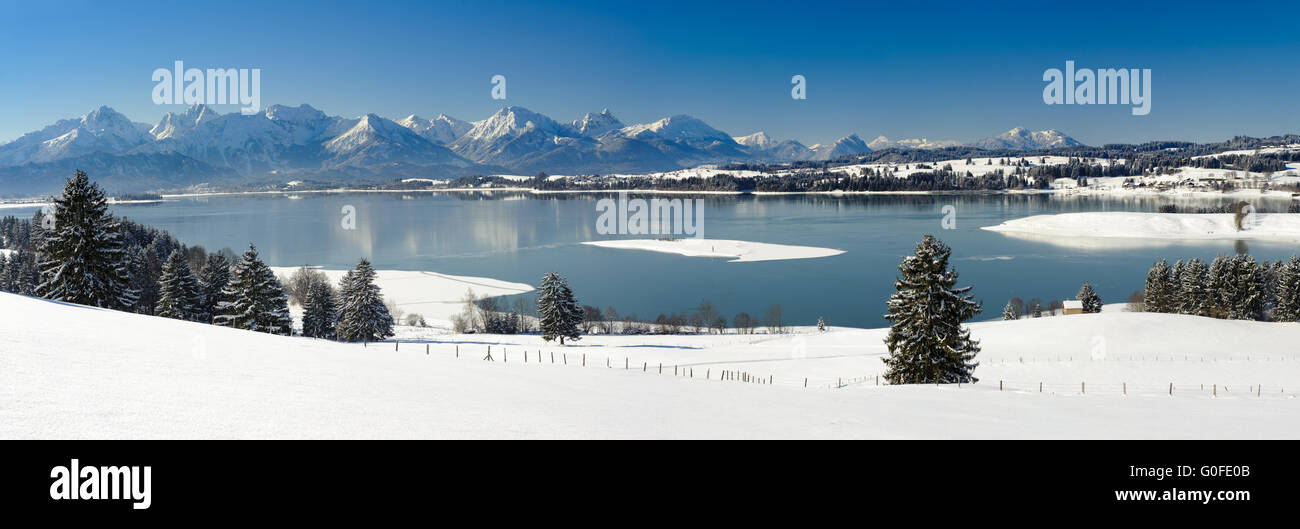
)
(737, 251)
(1159, 226)
(435, 296)
(69, 371)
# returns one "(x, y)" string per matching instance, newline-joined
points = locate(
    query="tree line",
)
(1229, 287)
(82, 254)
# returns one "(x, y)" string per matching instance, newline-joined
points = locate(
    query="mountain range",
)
(202, 147)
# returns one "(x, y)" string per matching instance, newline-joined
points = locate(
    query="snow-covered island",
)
(1157, 226)
(737, 251)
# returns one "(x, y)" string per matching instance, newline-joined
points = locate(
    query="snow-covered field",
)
(1064, 227)
(737, 251)
(430, 294)
(75, 372)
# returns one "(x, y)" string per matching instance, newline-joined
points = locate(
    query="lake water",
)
(518, 237)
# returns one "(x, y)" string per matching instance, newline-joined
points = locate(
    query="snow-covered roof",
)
(1073, 304)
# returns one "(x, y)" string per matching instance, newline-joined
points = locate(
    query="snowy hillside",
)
(117, 375)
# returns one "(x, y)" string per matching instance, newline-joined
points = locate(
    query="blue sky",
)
(960, 71)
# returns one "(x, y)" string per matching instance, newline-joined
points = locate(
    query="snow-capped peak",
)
(758, 139)
(175, 125)
(678, 127)
(510, 121)
(593, 124)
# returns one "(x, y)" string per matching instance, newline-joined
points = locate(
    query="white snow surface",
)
(738, 251)
(68, 371)
(1060, 228)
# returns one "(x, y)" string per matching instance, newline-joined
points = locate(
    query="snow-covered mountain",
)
(845, 146)
(1025, 139)
(176, 125)
(441, 130)
(374, 140)
(286, 142)
(764, 148)
(593, 124)
(101, 130)
(882, 142)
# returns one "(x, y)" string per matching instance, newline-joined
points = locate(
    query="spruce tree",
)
(255, 299)
(82, 260)
(362, 313)
(559, 312)
(1091, 301)
(1192, 291)
(1221, 288)
(1288, 291)
(178, 291)
(1176, 298)
(926, 340)
(1249, 301)
(1009, 312)
(213, 279)
(8, 274)
(1158, 293)
(319, 316)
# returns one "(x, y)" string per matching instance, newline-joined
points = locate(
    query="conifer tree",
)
(1010, 313)
(1288, 291)
(319, 316)
(255, 298)
(559, 312)
(1158, 293)
(213, 279)
(1192, 288)
(1091, 301)
(1249, 301)
(178, 290)
(362, 314)
(1221, 288)
(82, 260)
(927, 343)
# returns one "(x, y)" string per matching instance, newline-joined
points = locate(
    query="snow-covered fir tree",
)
(1287, 307)
(82, 260)
(255, 298)
(319, 316)
(1249, 301)
(362, 315)
(1091, 301)
(8, 274)
(1009, 312)
(821, 323)
(213, 278)
(178, 290)
(1192, 288)
(1175, 286)
(559, 312)
(1222, 287)
(1158, 295)
(927, 342)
